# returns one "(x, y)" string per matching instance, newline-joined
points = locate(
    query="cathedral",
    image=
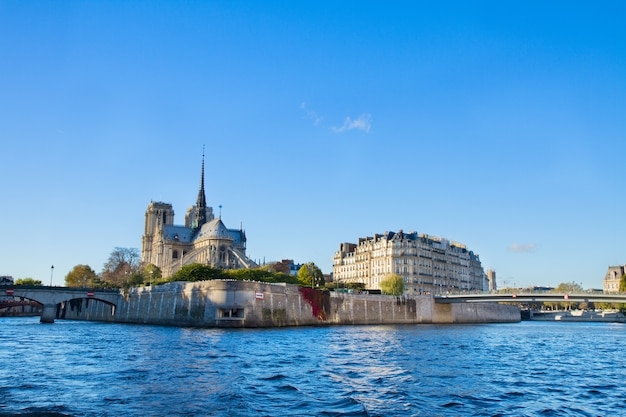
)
(203, 239)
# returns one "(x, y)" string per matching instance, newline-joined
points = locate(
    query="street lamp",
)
(51, 272)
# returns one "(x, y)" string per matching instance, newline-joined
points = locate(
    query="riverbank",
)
(247, 304)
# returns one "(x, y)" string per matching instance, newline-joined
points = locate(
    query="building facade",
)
(426, 263)
(610, 284)
(6, 280)
(491, 280)
(287, 266)
(202, 239)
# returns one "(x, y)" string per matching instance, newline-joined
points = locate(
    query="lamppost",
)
(51, 272)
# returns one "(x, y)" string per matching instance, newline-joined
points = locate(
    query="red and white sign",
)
(9, 291)
(259, 295)
(90, 294)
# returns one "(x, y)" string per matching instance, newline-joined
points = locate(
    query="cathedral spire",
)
(201, 202)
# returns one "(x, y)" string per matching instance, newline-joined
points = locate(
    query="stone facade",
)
(427, 264)
(246, 304)
(203, 239)
(612, 278)
(491, 279)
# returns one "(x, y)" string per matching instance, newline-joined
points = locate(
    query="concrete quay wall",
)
(255, 304)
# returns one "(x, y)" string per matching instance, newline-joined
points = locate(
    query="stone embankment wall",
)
(255, 304)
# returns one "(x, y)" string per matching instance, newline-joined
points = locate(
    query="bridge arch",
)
(27, 307)
(78, 303)
(56, 300)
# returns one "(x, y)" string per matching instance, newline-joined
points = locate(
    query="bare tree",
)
(122, 267)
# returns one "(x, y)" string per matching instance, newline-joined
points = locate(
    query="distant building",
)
(287, 266)
(539, 289)
(612, 278)
(203, 239)
(491, 279)
(6, 280)
(427, 263)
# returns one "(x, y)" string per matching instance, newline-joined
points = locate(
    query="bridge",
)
(51, 297)
(530, 298)
(28, 307)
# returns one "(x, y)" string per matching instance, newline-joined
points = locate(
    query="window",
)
(230, 313)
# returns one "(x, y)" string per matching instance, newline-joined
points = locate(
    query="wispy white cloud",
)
(525, 248)
(311, 114)
(363, 122)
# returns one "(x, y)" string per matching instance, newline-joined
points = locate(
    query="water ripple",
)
(525, 369)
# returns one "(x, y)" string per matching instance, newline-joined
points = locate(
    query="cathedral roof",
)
(214, 229)
(177, 233)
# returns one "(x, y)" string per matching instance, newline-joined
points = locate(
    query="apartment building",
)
(427, 263)
(610, 284)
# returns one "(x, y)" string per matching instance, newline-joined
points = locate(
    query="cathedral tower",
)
(200, 213)
(158, 215)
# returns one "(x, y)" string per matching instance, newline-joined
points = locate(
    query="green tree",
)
(622, 288)
(81, 276)
(198, 272)
(134, 279)
(28, 281)
(392, 285)
(260, 274)
(605, 306)
(341, 286)
(310, 275)
(151, 273)
(568, 288)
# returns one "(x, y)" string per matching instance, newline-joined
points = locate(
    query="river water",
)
(525, 369)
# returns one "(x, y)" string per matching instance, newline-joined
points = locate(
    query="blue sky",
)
(500, 125)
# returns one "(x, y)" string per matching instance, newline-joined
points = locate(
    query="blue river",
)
(525, 369)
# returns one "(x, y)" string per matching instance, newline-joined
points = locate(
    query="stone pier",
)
(48, 313)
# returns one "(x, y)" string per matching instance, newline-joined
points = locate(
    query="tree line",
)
(123, 270)
(574, 288)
